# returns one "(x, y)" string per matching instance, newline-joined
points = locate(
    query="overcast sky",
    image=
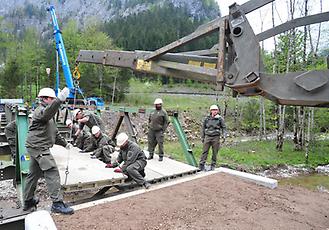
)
(264, 15)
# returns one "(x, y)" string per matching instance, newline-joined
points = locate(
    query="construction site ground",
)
(217, 201)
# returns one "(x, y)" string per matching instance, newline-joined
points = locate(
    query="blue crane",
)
(60, 48)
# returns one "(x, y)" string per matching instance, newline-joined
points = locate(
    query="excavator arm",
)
(234, 62)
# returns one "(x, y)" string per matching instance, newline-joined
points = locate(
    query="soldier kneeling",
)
(134, 160)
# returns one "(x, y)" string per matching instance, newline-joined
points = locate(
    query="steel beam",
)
(304, 21)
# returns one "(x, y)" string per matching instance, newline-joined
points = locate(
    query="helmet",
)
(121, 139)
(95, 129)
(158, 101)
(75, 112)
(214, 107)
(68, 122)
(47, 92)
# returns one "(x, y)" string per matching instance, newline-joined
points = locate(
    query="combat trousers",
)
(155, 138)
(134, 171)
(11, 139)
(42, 163)
(208, 142)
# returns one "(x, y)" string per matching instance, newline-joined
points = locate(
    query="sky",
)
(264, 14)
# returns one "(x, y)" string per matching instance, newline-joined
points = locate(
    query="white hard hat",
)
(75, 112)
(47, 92)
(214, 107)
(158, 101)
(68, 122)
(95, 129)
(121, 139)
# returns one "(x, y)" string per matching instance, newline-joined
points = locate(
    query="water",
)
(316, 182)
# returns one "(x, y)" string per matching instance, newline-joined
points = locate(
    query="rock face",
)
(26, 13)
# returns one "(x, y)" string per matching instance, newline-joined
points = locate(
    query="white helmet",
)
(95, 129)
(75, 112)
(214, 107)
(158, 101)
(121, 139)
(47, 92)
(68, 122)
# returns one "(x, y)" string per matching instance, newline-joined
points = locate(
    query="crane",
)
(234, 62)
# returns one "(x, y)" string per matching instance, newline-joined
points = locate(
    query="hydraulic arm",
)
(60, 48)
(234, 62)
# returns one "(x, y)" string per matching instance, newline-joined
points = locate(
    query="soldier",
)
(42, 135)
(134, 160)
(82, 140)
(86, 118)
(213, 126)
(101, 144)
(158, 123)
(10, 132)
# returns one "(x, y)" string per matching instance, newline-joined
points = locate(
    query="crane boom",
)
(60, 48)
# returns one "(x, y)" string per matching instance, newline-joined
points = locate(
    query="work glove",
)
(109, 165)
(118, 170)
(63, 94)
(69, 146)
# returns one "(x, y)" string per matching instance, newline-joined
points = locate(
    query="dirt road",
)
(217, 201)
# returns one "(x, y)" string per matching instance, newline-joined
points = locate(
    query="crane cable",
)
(77, 88)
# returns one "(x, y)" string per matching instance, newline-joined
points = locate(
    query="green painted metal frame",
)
(182, 139)
(22, 158)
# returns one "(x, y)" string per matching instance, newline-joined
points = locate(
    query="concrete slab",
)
(264, 181)
(86, 173)
(83, 172)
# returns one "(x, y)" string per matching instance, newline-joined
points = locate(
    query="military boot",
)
(201, 167)
(31, 205)
(60, 207)
(146, 185)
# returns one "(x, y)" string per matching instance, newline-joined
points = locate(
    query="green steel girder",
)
(183, 141)
(22, 158)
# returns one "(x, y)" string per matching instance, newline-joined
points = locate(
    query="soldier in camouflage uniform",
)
(213, 126)
(101, 145)
(133, 158)
(42, 135)
(10, 132)
(158, 123)
(85, 118)
(81, 141)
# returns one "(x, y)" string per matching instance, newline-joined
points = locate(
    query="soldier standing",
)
(10, 132)
(213, 126)
(158, 123)
(42, 135)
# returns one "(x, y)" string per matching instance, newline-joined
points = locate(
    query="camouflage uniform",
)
(211, 130)
(158, 123)
(102, 147)
(134, 162)
(42, 135)
(10, 132)
(93, 120)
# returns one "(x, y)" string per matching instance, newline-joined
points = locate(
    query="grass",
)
(257, 154)
(312, 182)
